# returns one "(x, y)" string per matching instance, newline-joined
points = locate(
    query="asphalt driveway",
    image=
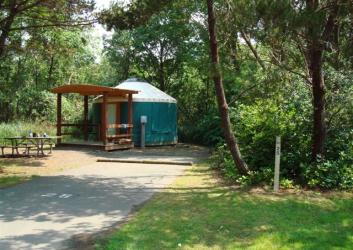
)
(45, 212)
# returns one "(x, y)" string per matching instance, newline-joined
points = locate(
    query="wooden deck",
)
(96, 145)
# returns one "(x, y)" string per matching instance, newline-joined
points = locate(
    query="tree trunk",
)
(126, 66)
(318, 89)
(221, 100)
(50, 72)
(316, 46)
(161, 76)
(161, 68)
(5, 29)
(4, 35)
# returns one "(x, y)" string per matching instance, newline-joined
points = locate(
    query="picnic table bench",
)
(15, 148)
(27, 143)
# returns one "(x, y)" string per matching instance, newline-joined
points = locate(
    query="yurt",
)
(151, 106)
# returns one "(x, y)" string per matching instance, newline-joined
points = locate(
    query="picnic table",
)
(27, 143)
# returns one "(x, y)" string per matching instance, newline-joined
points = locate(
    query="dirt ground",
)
(58, 161)
(65, 158)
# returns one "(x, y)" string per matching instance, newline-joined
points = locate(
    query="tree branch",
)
(86, 23)
(280, 65)
(253, 50)
(238, 96)
(330, 23)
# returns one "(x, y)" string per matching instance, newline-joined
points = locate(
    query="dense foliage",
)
(265, 51)
(46, 44)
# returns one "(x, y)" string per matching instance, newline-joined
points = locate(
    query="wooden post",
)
(104, 119)
(143, 121)
(117, 117)
(85, 117)
(58, 118)
(277, 163)
(129, 115)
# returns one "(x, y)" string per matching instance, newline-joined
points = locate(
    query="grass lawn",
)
(8, 177)
(6, 181)
(18, 170)
(197, 212)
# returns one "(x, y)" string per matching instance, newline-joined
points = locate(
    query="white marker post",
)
(277, 163)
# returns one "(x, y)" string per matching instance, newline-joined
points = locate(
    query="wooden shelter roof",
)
(87, 89)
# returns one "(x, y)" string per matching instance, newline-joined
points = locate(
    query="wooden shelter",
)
(107, 142)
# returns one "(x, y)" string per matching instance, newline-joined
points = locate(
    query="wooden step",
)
(119, 136)
(125, 141)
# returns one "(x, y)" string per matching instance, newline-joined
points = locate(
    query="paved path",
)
(45, 212)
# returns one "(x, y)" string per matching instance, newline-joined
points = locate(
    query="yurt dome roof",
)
(147, 92)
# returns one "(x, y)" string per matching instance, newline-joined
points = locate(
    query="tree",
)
(222, 102)
(156, 50)
(319, 33)
(26, 15)
(139, 13)
(50, 57)
(303, 37)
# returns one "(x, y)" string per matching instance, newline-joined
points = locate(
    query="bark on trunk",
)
(5, 29)
(221, 100)
(318, 89)
(126, 66)
(50, 71)
(161, 68)
(316, 46)
(161, 76)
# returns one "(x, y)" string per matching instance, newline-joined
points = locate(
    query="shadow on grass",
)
(199, 217)
(222, 219)
(70, 204)
(8, 181)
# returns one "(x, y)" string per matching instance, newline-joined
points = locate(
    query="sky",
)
(99, 30)
(102, 3)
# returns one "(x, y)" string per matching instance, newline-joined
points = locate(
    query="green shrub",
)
(31, 104)
(222, 160)
(22, 128)
(40, 105)
(331, 174)
(206, 131)
(258, 124)
(287, 184)
(325, 174)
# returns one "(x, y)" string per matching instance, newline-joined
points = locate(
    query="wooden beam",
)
(78, 125)
(117, 117)
(87, 89)
(58, 117)
(104, 119)
(85, 117)
(129, 116)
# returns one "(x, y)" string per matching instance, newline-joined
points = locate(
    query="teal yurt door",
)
(96, 116)
(111, 118)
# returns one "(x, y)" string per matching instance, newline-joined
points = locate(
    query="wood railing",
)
(120, 138)
(120, 126)
(81, 125)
